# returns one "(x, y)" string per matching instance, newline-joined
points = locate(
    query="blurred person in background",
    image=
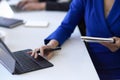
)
(54, 5)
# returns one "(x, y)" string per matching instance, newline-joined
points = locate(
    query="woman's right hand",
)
(44, 50)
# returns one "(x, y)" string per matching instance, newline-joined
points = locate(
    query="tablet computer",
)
(96, 39)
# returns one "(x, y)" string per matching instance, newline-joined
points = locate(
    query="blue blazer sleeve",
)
(73, 17)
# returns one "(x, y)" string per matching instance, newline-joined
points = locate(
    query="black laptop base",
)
(26, 63)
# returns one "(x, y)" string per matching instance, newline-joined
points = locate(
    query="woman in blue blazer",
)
(102, 19)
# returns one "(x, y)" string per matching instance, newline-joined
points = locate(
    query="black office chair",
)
(82, 28)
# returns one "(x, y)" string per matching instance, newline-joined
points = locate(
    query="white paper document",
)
(37, 24)
(96, 39)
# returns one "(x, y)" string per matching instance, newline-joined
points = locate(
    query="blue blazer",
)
(92, 11)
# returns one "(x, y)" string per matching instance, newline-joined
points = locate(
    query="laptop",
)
(21, 62)
(11, 22)
(16, 9)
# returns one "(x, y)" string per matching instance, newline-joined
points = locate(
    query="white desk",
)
(71, 63)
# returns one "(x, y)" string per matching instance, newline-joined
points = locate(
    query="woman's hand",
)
(43, 50)
(34, 6)
(112, 46)
(24, 2)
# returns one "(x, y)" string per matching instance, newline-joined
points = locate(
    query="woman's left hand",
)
(112, 46)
